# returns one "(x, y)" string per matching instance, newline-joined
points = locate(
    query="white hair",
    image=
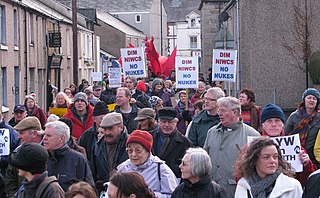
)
(61, 128)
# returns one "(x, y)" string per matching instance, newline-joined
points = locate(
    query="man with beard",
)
(110, 150)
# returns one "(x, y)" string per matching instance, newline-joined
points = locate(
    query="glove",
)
(186, 116)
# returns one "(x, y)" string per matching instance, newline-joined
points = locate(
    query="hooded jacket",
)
(78, 126)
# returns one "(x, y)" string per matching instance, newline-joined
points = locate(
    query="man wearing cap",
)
(90, 96)
(90, 136)
(169, 144)
(31, 161)
(224, 141)
(128, 110)
(146, 120)
(19, 113)
(65, 163)
(80, 113)
(110, 150)
(29, 130)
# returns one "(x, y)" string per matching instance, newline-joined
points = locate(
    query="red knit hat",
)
(141, 86)
(141, 137)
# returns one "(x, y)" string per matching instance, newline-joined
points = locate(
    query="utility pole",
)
(161, 50)
(307, 47)
(75, 42)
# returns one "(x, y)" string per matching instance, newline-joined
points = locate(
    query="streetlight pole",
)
(161, 50)
(307, 45)
(75, 42)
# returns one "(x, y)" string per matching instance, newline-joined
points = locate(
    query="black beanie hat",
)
(31, 157)
(100, 108)
(272, 111)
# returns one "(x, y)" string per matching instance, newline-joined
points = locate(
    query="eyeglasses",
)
(210, 99)
(137, 151)
(128, 82)
(185, 163)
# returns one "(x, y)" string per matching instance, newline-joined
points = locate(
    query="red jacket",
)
(78, 126)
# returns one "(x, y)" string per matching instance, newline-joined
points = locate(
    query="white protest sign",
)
(114, 77)
(224, 64)
(96, 76)
(187, 72)
(133, 62)
(290, 148)
(4, 142)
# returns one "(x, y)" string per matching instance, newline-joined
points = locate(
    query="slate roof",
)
(177, 10)
(117, 5)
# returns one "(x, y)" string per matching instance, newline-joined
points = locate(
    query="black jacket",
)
(87, 140)
(311, 189)
(69, 166)
(175, 151)
(101, 159)
(203, 188)
(128, 118)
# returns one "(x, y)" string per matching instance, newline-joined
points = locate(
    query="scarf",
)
(260, 187)
(166, 141)
(255, 114)
(302, 128)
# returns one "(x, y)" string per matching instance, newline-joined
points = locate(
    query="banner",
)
(114, 77)
(224, 65)
(133, 62)
(187, 72)
(4, 142)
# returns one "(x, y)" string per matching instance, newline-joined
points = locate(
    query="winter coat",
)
(142, 99)
(165, 97)
(314, 126)
(285, 187)
(128, 118)
(223, 146)
(158, 176)
(87, 140)
(39, 113)
(68, 166)
(180, 108)
(311, 189)
(53, 189)
(78, 126)
(200, 127)
(14, 142)
(203, 188)
(175, 151)
(101, 163)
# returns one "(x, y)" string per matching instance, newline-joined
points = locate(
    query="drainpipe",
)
(26, 50)
(238, 46)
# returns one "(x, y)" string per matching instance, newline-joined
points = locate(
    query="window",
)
(31, 33)
(136, 43)
(4, 86)
(68, 45)
(128, 41)
(193, 23)
(15, 28)
(193, 42)
(3, 25)
(138, 18)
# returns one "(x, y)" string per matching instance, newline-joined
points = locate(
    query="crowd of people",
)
(148, 139)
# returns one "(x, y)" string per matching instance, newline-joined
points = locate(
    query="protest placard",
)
(96, 76)
(187, 72)
(133, 62)
(114, 77)
(224, 64)
(290, 148)
(4, 141)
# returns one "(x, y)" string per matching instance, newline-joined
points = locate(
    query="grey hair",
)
(52, 117)
(61, 128)
(200, 162)
(216, 91)
(230, 102)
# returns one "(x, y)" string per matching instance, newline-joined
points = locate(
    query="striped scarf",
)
(302, 128)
